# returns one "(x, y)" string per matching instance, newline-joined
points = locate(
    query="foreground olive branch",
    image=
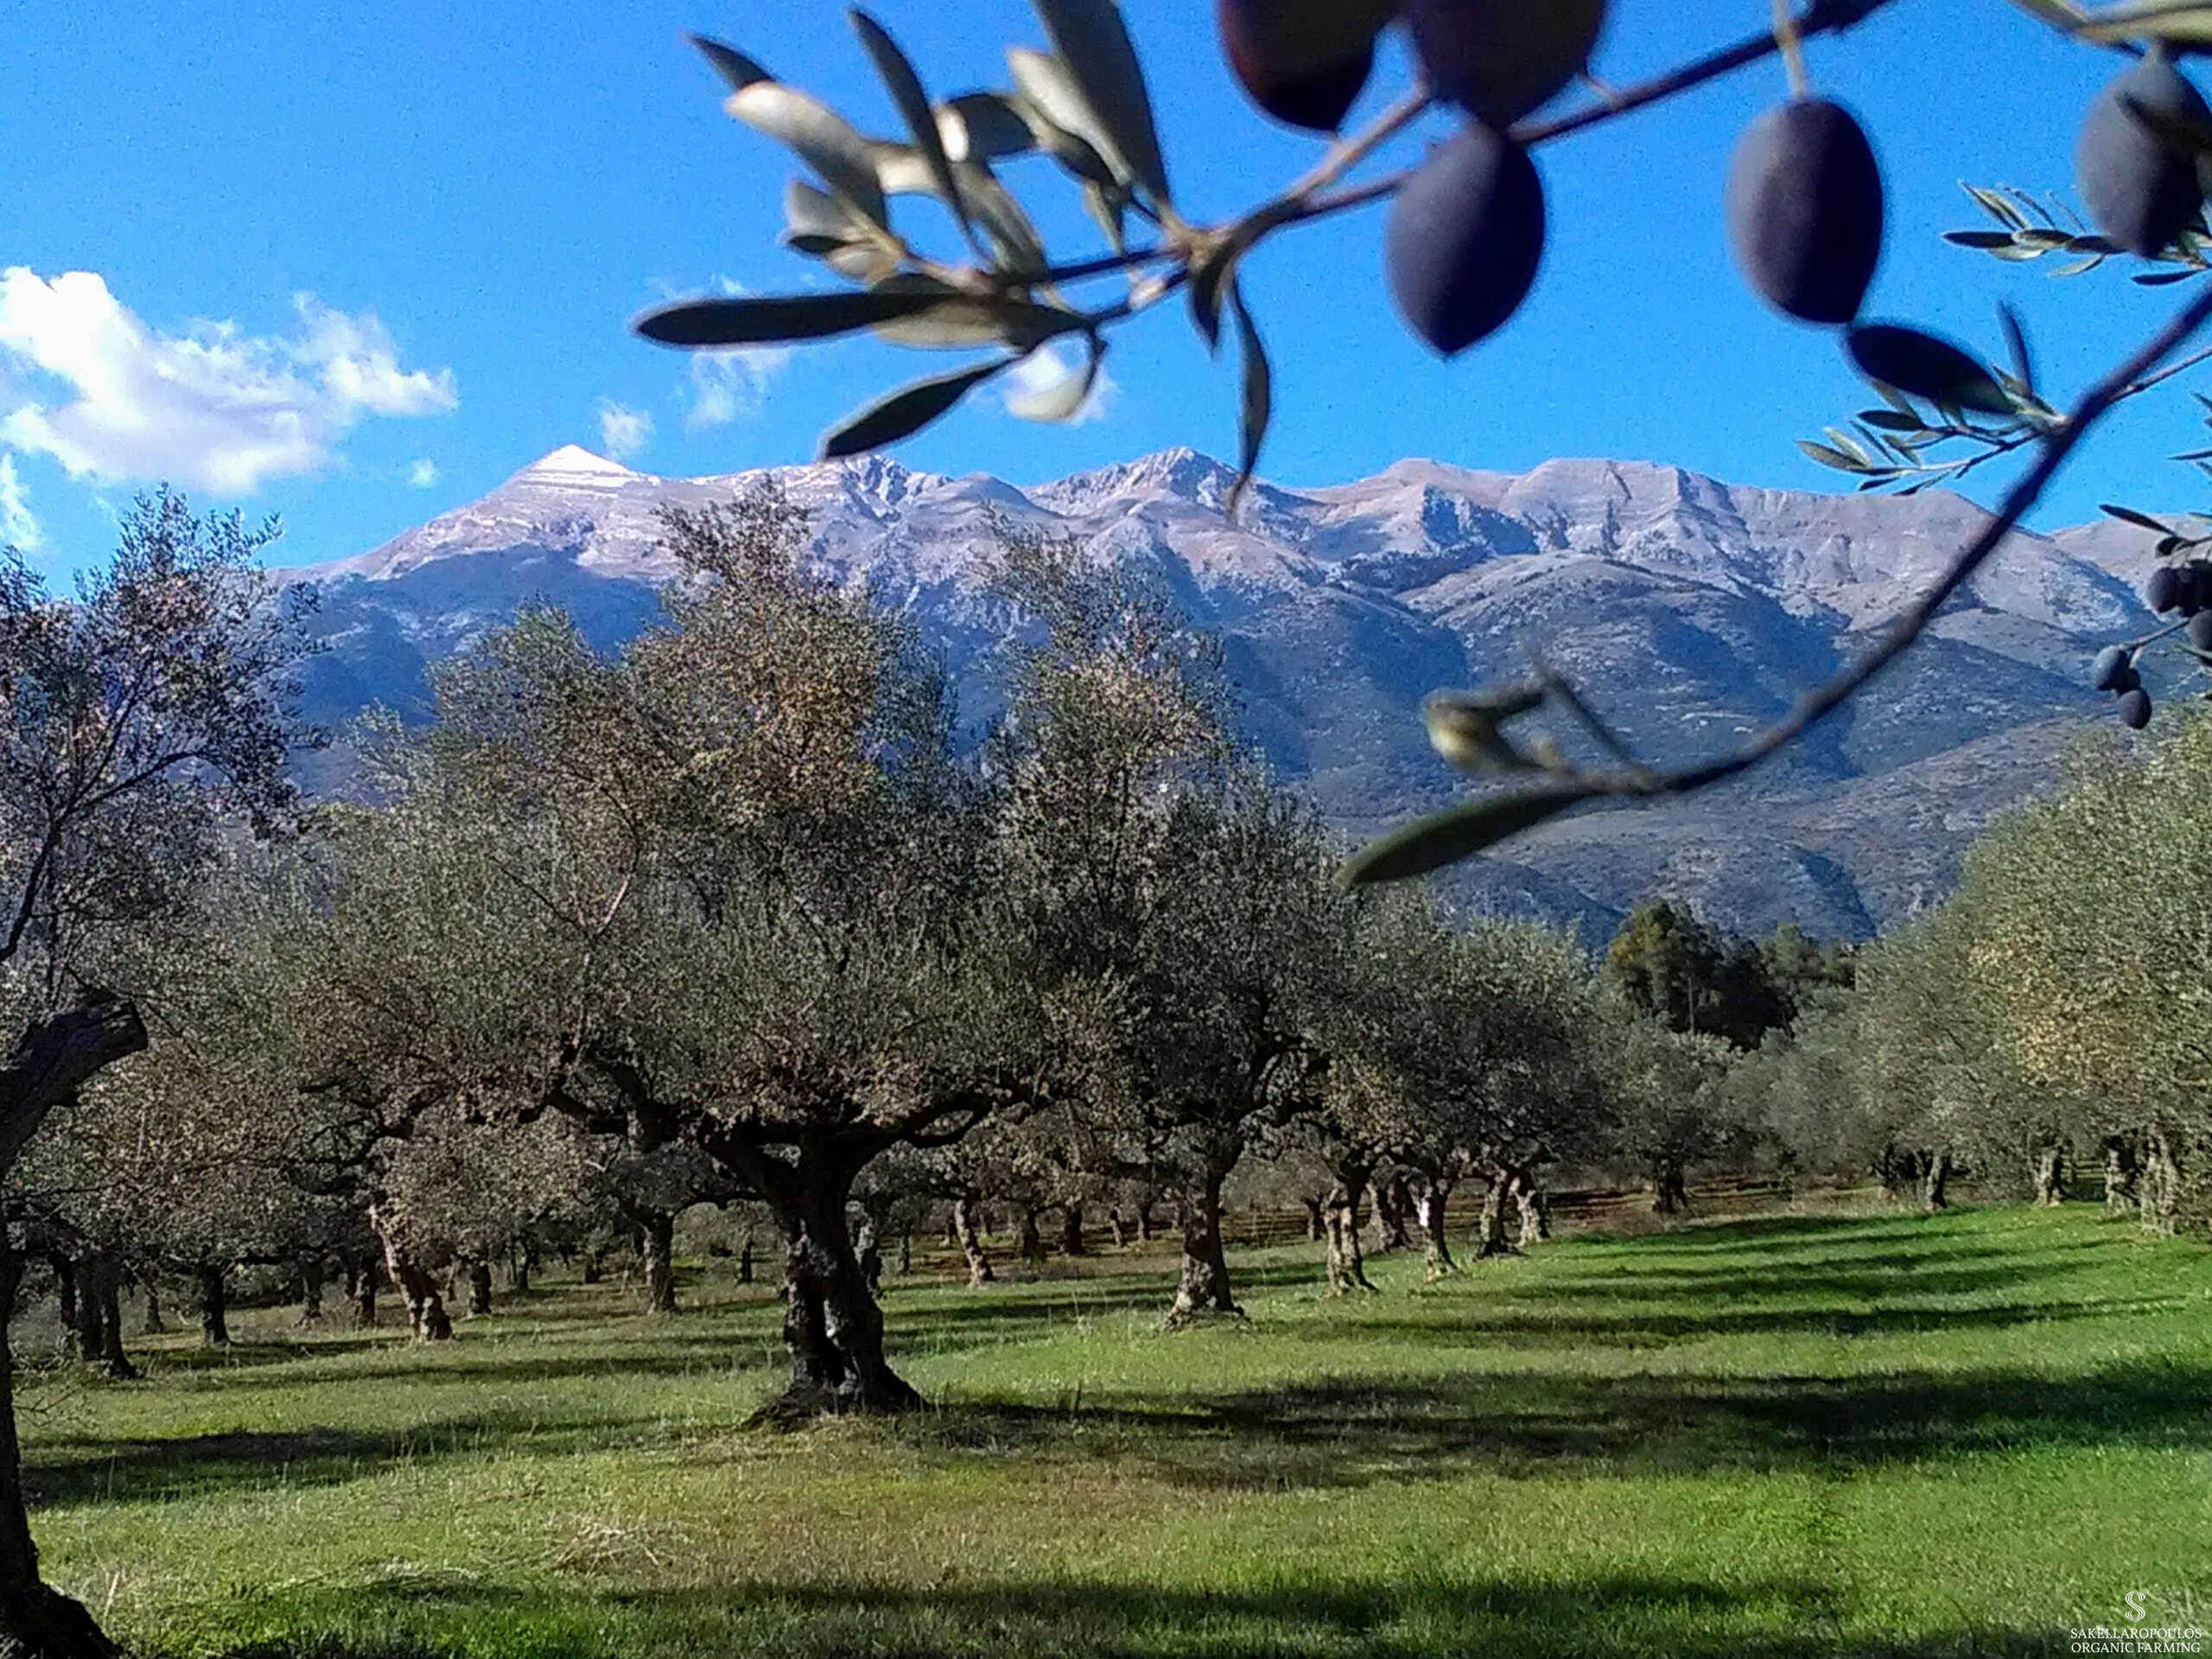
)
(1470, 729)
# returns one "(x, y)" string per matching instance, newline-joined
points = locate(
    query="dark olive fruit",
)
(2162, 592)
(1303, 61)
(1500, 59)
(2200, 629)
(1465, 236)
(2111, 663)
(2139, 184)
(2196, 593)
(2135, 708)
(2128, 680)
(1804, 204)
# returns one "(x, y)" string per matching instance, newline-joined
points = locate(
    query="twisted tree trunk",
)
(1071, 1229)
(1393, 1208)
(1491, 1241)
(1430, 1204)
(1670, 1191)
(154, 1325)
(1534, 1208)
(99, 1314)
(1144, 1220)
(480, 1289)
(1120, 1232)
(311, 1275)
(214, 1304)
(2119, 1176)
(1340, 1233)
(1934, 1184)
(971, 1242)
(49, 1062)
(1030, 1245)
(2050, 1176)
(426, 1304)
(1203, 1291)
(2158, 1186)
(832, 1329)
(657, 1244)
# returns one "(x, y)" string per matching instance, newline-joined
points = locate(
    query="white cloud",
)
(1048, 367)
(423, 474)
(728, 385)
(17, 527)
(623, 431)
(725, 386)
(213, 407)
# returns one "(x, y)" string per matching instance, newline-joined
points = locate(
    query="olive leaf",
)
(951, 317)
(2183, 21)
(761, 319)
(1063, 122)
(1257, 403)
(821, 138)
(906, 89)
(1459, 832)
(1924, 366)
(906, 410)
(732, 65)
(2128, 515)
(983, 127)
(1093, 43)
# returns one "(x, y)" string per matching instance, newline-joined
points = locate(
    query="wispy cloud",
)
(17, 527)
(423, 474)
(623, 431)
(728, 385)
(1051, 367)
(213, 407)
(732, 384)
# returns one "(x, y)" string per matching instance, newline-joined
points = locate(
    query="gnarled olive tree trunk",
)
(1534, 1208)
(99, 1314)
(480, 1289)
(1670, 1190)
(311, 1281)
(1394, 1207)
(2159, 1185)
(426, 1304)
(1340, 1228)
(2050, 1176)
(1202, 1292)
(2119, 1175)
(1430, 1205)
(1490, 1240)
(970, 1241)
(1029, 1243)
(832, 1329)
(1071, 1229)
(213, 1279)
(1935, 1183)
(47, 1065)
(657, 1250)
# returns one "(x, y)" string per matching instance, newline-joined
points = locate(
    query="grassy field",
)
(1812, 1434)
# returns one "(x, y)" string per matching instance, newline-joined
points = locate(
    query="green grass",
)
(1854, 1433)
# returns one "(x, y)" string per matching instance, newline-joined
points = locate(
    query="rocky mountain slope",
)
(1689, 611)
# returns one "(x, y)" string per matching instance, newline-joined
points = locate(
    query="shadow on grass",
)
(1684, 1619)
(1356, 1434)
(1314, 1436)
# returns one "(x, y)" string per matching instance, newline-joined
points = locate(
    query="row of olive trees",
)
(2051, 1016)
(730, 916)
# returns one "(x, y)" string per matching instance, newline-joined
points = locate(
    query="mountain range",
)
(1687, 610)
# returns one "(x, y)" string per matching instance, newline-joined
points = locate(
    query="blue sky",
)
(354, 270)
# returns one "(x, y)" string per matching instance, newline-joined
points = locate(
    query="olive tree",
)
(137, 723)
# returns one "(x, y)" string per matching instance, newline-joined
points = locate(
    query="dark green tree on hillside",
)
(1684, 972)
